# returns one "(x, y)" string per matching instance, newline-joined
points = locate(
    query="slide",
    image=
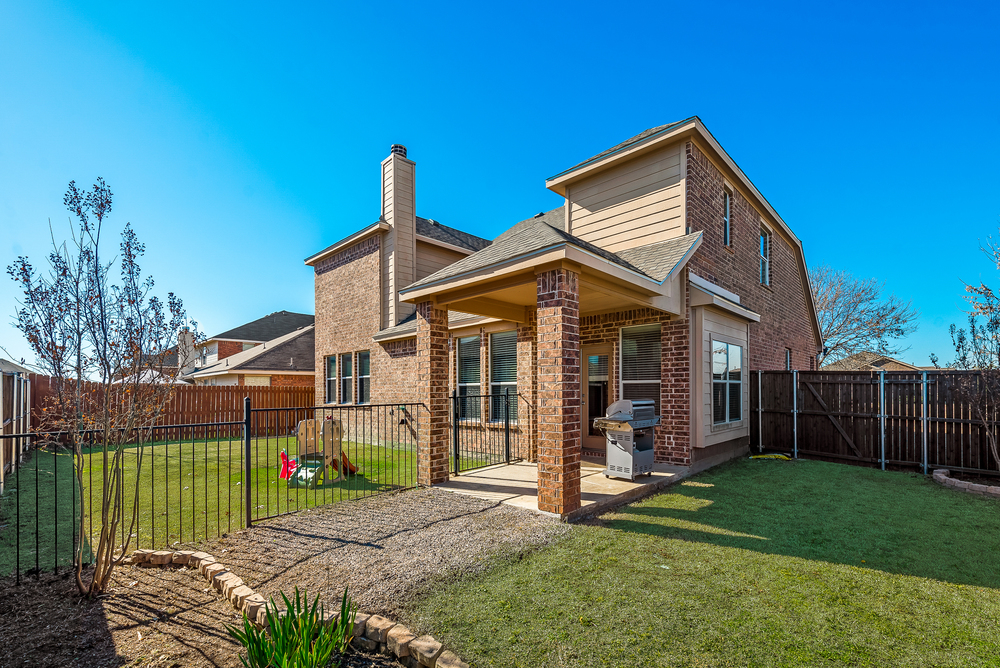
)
(348, 467)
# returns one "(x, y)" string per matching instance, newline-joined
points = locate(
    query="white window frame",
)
(334, 379)
(344, 399)
(496, 388)
(474, 389)
(788, 359)
(728, 422)
(727, 213)
(765, 255)
(621, 364)
(359, 377)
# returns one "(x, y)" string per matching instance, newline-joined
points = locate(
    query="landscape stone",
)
(220, 578)
(426, 649)
(231, 584)
(398, 640)
(204, 563)
(237, 595)
(161, 557)
(360, 622)
(211, 569)
(378, 627)
(252, 604)
(182, 557)
(448, 659)
(370, 645)
(141, 556)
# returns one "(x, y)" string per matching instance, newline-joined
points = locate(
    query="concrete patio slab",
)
(517, 485)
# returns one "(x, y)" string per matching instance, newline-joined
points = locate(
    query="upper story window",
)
(727, 206)
(467, 359)
(788, 359)
(364, 377)
(727, 383)
(331, 379)
(765, 257)
(346, 378)
(640, 363)
(503, 374)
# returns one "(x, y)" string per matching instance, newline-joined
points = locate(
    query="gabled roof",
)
(432, 229)
(645, 134)
(545, 230)
(408, 327)
(294, 351)
(6, 366)
(267, 328)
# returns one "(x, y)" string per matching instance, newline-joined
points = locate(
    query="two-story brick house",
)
(664, 275)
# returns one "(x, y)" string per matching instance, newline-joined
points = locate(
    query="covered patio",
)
(543, 280)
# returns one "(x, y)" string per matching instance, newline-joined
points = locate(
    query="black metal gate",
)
(485, 430)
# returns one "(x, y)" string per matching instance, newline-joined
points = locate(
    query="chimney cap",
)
(398, 149)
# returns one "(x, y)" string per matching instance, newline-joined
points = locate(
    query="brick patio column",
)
(432, 392)
(558, 391)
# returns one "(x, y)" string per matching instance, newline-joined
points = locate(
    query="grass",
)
(754, 563)
(188, 491)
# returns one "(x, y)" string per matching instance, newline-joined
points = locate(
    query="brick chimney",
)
(399, 210)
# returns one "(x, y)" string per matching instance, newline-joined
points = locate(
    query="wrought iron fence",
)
(488, 429)
(194, 482)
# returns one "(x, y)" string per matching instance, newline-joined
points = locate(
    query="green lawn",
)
(188, 491)
(754, 563)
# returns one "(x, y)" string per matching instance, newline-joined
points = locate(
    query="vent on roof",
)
(432, 221)
(539, 214)
(398, 149)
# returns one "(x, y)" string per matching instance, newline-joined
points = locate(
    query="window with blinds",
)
(727, 202)
(640, 364)
(331, 379)
(503, 374)
(765, 257)
(364, 377)
(468, 377)
(727, 383)
(346, 378)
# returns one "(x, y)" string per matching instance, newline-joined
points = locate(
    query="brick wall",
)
(348, 313)
(229, 348)
(785, 319)
(672, 440)
(292, 380)
(432, 389)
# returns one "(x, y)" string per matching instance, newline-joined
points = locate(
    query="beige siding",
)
(431, 258)
(633, 204)
(714, 325)
(399, 211)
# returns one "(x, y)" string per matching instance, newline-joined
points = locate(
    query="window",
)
(503, 374)
(727, 383)
(346, 371)
(765, 257)
(248, 346)
(640, 364)
(468, 376)
(788, 359)
(727, 202)
(364, 377)
(331, 379)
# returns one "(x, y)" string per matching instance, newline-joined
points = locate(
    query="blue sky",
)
(240, 139)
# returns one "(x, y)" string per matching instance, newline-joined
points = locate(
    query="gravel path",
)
(385, 549)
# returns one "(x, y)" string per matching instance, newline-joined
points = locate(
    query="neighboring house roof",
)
(408, 327)
(545, 230)
(267, 328)
(867, 361)
(6, 366)
(152, 377)
(294, 351)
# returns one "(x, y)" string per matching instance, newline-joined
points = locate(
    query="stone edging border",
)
(943, 476)
(371, 632)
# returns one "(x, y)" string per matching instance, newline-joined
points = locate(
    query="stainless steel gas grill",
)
(628, 428)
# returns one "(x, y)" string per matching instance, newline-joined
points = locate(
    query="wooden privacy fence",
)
(198, 404)
(886, 419)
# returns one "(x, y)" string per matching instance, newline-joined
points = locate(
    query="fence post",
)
(881, 410)
(923, 420)
(456, 415)
(506, 423)
(760, 414)
(795, 414)
(247, 468)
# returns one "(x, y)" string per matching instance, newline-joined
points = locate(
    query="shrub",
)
(299, 638)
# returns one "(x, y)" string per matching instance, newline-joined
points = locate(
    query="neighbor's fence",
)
(15, 402)
(886, 419)
(195, 481)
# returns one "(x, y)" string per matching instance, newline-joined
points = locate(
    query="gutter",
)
(380, 225)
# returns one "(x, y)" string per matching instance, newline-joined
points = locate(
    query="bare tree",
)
(977, 351)
(855, 316)
(105, 345)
